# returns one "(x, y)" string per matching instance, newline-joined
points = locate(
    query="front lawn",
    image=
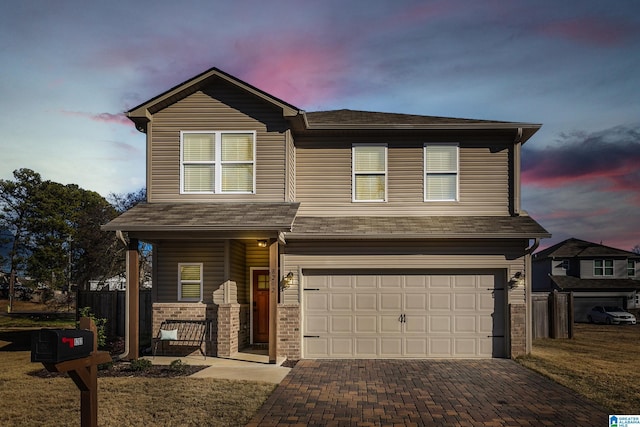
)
(601, 362)
(29, 400)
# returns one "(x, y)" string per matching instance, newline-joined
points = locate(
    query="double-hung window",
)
(603, 267)
(190, 282)
(217, 162)
(440, 172)
(369, 181)
(631, 268)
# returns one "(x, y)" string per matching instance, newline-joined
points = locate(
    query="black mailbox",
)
(58, 345)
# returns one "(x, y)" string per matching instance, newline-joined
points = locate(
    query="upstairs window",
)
(217, 162)
(631, 268)
(603, 267)
(565, 264)
(440, 172)
(190, 282)
(369, 173)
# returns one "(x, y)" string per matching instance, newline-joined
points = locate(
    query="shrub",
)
(140, 365)
(100, 325)
(178, 366)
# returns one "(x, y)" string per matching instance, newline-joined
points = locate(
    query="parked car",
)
(610, 315)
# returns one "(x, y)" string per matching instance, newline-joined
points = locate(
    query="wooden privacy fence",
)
(111, 305)
(552, 314)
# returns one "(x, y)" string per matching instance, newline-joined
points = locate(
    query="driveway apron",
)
(495, 392)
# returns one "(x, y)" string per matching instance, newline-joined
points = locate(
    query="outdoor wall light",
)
(287, 281)
(262, 243)
(517, 280)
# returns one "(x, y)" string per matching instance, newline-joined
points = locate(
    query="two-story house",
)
(596, 275)
(333, 234)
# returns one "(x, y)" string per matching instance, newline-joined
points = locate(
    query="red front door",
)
(260, 306)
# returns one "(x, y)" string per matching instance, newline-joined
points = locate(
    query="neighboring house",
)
(333, 234)
(115, 283)
(596, 274)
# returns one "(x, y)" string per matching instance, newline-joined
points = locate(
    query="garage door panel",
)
(391, 302)
(415, 301)
(316, 325)
(465, 324)
(440, 324)
(440, 302)
(366, 302)
(366, 324)
(390, 346)
(465, 347)
(416, 347)
(341, 324)
(390, 324)
(366, 347)
(341, 302)
(342, 347)
(464, 302)
(412, 315)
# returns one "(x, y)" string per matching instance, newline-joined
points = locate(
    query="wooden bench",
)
(182, 332)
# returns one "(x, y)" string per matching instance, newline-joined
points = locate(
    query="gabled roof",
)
(576, 248)
(326, 120)
(141, 114)
(575, 283)
(416, 227)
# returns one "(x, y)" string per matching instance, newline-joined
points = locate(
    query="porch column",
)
(273, 300)
(133, 285)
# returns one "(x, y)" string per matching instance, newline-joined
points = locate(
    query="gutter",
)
(527, 274)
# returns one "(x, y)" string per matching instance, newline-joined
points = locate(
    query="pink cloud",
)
(591, 31)
(607, 160)
(119, 118)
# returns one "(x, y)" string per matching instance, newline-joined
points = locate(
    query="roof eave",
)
(396, 236)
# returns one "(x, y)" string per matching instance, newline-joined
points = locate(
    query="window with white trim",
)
(441, 172)
(217, 162)
(369, 180)
(603, 267)
(190, 282)
(631, 268)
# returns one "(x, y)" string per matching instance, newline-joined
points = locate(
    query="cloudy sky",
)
(68, 69)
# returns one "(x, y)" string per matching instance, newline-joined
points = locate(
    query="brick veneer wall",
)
(228, 329)
(518, 332)
(186, 311)
(289, 332)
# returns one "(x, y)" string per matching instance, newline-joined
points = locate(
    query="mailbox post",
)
(74, 351)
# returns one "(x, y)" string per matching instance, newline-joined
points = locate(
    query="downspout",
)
(516, 172)
(124, 355)
(527, 289)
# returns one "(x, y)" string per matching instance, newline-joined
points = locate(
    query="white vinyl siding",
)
(217, 162)
(369, 181)
(190, 282)
(440, 172)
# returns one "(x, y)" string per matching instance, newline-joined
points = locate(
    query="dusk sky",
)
(68, 69)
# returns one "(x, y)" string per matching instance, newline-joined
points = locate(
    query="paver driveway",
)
(496, 392)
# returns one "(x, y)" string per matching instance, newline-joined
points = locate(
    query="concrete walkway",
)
(244, 366)
(495, 392)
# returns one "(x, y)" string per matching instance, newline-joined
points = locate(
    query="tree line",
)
(51, 233)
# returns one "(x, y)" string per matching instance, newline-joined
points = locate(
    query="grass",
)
(601, 362)
(28, 400)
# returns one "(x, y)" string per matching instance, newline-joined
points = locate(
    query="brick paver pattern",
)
(495, 392)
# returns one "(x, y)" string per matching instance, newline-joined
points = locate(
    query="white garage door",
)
(403, 315)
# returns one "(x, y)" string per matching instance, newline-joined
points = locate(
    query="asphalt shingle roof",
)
(205, 216)
(571, 248)
(574, 283)
(345, 116)
(416, 226)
